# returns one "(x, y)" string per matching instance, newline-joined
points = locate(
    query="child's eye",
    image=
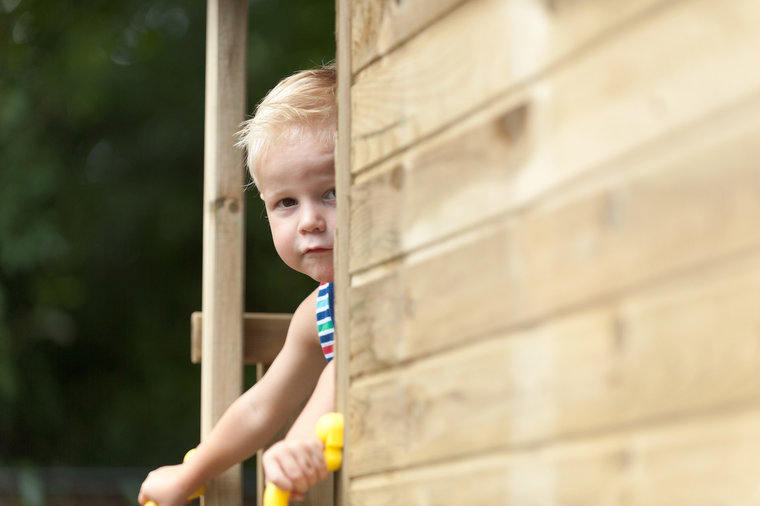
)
(287, 202)
(330, 195)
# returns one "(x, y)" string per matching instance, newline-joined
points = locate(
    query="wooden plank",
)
(497, 45)
(343, 182)
(684, 201)
(223, 220)
(263, 336)
(378, 26)
(701, 461)
(560, 127)
(428, 192)
(682, 347)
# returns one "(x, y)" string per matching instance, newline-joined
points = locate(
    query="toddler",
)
(290, 155)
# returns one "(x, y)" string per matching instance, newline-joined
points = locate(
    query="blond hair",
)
(303, 102)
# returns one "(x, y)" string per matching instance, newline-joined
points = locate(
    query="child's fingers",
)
(295, 466)
(278, 476)
(311, 462)
(278, 467)
(311, 470)
(297, 469)
(317, 464)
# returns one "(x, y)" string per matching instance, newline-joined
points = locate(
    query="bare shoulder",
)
(303, 326)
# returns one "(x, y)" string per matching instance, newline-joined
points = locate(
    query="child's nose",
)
(312, 219)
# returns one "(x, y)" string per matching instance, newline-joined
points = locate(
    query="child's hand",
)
(164, 487)
(294, 465)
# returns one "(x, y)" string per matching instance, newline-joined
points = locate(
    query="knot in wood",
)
(511, 125)
(231, 204)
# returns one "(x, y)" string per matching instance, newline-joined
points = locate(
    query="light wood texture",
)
(343, 182)
(681, 347)
(681, 203)
(263, 336)
(558, 127)
(223, 217)
(554, 275)
(701, 461)
(428, 192)
(377, 26)
(463, 62)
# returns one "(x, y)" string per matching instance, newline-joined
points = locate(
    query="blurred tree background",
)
(101, 161)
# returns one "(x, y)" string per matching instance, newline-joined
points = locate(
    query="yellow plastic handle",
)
(330, 431)
(196, 494)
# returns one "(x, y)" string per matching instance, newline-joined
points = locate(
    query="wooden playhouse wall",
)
(553, 285)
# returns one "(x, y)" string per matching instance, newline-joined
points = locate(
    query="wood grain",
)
(343, 181)
(223, 220)
(682, 347)
(482, 50)
(707, 460)
(560, 128)
(683, 202)
(554, 274)
(263, 336)
(378, 26)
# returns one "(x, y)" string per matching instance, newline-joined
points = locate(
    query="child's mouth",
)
(317, 250)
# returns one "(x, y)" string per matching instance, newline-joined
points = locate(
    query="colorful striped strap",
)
(325, 325)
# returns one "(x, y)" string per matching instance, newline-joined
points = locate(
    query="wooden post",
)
(343, 185)
(223, 229)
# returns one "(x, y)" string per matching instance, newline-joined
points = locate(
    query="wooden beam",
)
(223, 229)
(263, 336)
(343, 180)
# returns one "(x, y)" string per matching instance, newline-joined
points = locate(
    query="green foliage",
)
(101, 139)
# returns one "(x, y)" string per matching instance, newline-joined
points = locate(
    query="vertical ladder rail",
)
(223, 229)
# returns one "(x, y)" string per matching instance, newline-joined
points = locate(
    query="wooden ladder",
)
(224, 337)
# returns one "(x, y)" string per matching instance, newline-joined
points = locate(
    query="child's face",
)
(297, 184)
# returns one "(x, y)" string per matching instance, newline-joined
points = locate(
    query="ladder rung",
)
(263, 336)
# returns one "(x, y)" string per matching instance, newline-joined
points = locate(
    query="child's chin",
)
(324, 275)
(320, 269)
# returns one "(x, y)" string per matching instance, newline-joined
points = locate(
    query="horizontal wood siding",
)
(680, 204)
(554, 272)
(467, 59)
(379, 26)
(601, 106)
(683, 346)
(702, 460)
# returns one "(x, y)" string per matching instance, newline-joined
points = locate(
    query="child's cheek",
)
(285, 246)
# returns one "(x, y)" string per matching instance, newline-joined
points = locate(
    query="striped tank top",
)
(325, 325)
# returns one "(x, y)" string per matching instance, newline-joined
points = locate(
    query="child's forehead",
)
(306, 158)
(293, 140)
(296, 131)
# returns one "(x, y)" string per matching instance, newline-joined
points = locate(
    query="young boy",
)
(289, 145)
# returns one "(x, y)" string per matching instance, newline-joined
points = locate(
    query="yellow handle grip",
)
(196, 494)
(330, 431)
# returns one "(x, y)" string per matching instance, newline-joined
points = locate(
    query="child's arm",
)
(253, 419)
(297, 463)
